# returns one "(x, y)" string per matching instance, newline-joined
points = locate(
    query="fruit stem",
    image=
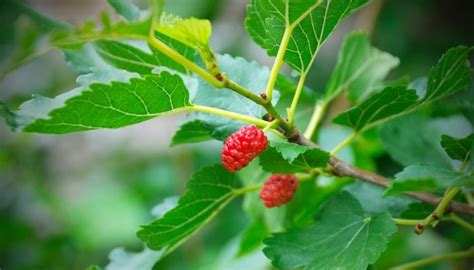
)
(244, 190)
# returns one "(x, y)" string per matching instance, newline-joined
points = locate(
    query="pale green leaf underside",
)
(458, 148)
(424, 177)
(343, 237)
(209, 189)
(99, 105)
(292, 158)
(360, 69)
(248, 74)
(265, 23)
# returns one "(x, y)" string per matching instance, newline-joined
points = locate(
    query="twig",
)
(341, 168)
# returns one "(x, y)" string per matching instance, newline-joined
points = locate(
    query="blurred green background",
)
(67, 201)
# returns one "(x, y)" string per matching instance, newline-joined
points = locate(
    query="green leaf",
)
(126, 57)
(417, 210)
(424, 177)
(74, 40)
(207, 192)
(372, 200)
(343, 237)
(253, 237)
(266, 20)
(248, 74)
(458, 149)
(192, 132)
(360, 69)
(292, 158)
(99, 105)
(450, 75)
(270, 220)
(126, 8)
(142, 60)
(413, 139)
(391, 101)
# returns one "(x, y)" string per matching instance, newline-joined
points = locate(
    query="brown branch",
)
(341, 168)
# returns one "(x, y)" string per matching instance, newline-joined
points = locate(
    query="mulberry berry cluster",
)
(243, 146)
(278, 189)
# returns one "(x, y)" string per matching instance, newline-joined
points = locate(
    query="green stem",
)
(450, 193)
(464, 164)
(427, 261)
(316, 118)
(439, 210)
(278, 62)
(244, 190)
(244, 92)
(232, 115)
(271, 125)
(343, 144)
(408, 222)
(159, 45)
(296, 98)
(461, 222)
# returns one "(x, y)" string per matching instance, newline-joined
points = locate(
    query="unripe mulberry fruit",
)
(278, 189)
(243, 146)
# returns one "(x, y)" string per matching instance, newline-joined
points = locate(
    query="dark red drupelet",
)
(243, 146)
(278, 189)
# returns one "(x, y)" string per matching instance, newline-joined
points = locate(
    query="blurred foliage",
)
(67, 209)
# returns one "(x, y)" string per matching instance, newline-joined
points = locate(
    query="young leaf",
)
(126, 8)
(313, 21)
(343, 237)
(391, 101)
(99, 105)
(360, 69)
(450, 75)
(292, 158)
(458, 149)
(194, 33)
(424, 177)
(207, 192)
